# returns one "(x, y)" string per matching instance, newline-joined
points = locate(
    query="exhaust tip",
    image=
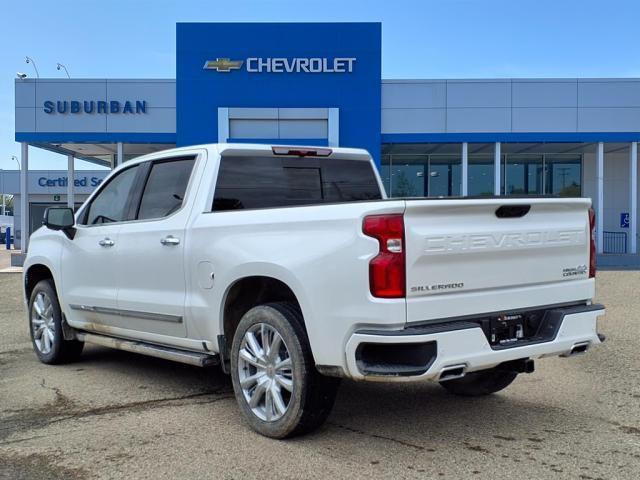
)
(578, 349)
(451, 372)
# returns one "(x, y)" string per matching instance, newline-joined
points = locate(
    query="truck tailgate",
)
(473, 256)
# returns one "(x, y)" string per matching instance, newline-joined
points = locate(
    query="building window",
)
(421, 170)
(563, 175)
(547, 174)
(434, 170)
(444, 175)
(523, 174)
(408, 175)
(480, 175)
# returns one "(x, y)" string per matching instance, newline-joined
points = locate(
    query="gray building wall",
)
(408, 106)
(160, 95)
(511, 105)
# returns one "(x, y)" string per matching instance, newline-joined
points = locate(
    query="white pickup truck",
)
(290, 268)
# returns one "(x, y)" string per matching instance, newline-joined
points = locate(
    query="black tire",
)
(483, 382)
(60, 350)
(312, 396)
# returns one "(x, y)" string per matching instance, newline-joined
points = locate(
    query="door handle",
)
(106, 242)
(170, 240)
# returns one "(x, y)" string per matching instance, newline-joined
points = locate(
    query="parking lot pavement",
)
(119, 415)
(5, 257)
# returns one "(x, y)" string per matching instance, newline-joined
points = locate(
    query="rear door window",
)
(268, 182)
(165, 187)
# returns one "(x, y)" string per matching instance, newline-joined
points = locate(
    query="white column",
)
(119, 154)
(70, 181)
(464, 188)
(496, 170)
(2, 187)
(24, 197)
(223, 124)
(333, 127)
(633, 198)
(600, 198)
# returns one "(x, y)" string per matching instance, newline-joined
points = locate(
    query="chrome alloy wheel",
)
(265, 372)
(42, 323)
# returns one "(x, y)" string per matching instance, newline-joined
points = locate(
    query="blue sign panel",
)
(624, 220)
(279, 65)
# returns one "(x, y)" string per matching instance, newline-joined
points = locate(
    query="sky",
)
(420, 39)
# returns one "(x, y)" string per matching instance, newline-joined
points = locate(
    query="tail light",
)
(592, 243)
(387, 269)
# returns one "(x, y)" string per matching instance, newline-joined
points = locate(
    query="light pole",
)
(30, 60)
(17, 161)
(62, 66)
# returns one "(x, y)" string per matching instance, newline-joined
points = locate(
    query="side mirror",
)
(57, 218)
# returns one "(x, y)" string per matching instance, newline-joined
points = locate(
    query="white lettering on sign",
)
(300, 65)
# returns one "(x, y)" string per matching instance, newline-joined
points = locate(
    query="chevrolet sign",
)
(284, 65)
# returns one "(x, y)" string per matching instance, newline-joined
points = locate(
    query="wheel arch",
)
(249, 291)
(35, 273)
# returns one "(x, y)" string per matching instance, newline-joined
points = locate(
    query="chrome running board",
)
(167, 353)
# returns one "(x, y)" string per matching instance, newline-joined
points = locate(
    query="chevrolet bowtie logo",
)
(223, 64)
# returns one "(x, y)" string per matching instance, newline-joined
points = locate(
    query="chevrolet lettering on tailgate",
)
(498, 241)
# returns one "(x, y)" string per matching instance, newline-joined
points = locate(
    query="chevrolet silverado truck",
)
(289, 268)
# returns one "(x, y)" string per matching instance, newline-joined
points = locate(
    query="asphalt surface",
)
(120, 415)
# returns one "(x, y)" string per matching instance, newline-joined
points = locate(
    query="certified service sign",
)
(284, 65)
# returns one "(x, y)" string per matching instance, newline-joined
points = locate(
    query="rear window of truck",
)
(268, 182)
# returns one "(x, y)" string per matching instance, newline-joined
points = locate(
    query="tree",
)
(402, 187)
(8, 204)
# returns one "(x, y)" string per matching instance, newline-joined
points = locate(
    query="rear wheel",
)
(45, 325)
(484, 382)
(278, 389)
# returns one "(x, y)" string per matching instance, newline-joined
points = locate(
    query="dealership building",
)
(320, 84)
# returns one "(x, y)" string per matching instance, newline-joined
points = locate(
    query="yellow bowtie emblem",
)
(223, 64)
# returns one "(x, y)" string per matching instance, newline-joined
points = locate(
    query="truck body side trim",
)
(128, 313)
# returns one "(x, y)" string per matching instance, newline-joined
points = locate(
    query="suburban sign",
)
(283, 65)
(94, 106)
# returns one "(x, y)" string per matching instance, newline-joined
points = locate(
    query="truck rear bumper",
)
(450, 350)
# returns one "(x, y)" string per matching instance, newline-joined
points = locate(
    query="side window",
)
(164, 191)
(110, 205)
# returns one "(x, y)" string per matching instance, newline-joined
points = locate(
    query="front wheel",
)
(45, 322)
(278, 389)
(484, 382)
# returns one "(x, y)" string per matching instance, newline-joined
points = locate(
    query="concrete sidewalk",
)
(5, 262)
